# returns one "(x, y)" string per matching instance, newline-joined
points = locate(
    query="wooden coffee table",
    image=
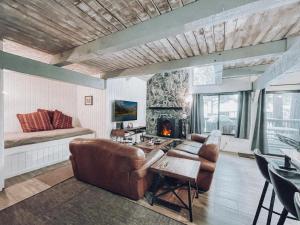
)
(184, 170)
(147, 147)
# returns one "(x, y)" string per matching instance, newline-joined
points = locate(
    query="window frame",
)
(220, 94)
(265, 113)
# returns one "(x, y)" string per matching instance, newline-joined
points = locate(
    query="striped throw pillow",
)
(61, 121)
(36, 121)
(50, 113)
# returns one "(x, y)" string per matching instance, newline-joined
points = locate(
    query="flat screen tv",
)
(124, 111)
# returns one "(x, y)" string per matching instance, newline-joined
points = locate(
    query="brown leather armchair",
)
(115, 167)
(203, 149)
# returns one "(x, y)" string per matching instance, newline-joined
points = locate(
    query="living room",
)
(149, 112)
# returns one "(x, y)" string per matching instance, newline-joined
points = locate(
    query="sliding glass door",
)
(211, 113)
(220, 112)
(282, 116)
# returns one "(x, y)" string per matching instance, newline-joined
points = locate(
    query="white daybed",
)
(25, 152)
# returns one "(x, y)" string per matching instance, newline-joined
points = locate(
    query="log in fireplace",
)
(166, 127)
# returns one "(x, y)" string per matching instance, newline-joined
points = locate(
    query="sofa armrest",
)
(209, 152)
(198, 138)
(151, 158)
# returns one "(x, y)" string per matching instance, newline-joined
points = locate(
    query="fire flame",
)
(166, 132)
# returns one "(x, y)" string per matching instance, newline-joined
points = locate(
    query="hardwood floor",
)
(26, 185)
(232, 199)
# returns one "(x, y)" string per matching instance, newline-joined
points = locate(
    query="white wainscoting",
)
(22, 159)
(25, 94)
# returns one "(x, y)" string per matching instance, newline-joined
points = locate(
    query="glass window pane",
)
(282, 116)
(228, 113)
(207, 75)
(211, 111)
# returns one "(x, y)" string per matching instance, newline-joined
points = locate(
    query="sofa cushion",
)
(15, 139)
(188, 148)
(61, 121)
(36, 121)
(199, 138)
(193, 143)
(182, 154)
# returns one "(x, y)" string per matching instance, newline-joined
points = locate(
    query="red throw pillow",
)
(50, 113)
(61, 121)
(36, 121)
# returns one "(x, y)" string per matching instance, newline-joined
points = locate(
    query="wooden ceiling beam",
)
(190, 17)
(271, 48)
(289, 62)
(24, 65)
(244, 71)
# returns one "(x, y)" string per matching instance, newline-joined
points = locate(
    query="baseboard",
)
(246, 155)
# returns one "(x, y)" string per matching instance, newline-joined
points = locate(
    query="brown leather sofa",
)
(115, 167)
(203, 149)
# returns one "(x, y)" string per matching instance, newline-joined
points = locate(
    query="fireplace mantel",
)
(164, 107)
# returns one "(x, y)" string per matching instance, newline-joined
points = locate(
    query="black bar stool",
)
(297, 203)
(262, 162)
(285, 189)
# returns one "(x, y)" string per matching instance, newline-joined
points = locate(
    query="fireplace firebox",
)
(166, 127)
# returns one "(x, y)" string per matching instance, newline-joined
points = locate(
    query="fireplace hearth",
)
(166, 127)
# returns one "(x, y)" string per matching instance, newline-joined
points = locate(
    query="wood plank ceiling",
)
(54, 26)
(57, 25)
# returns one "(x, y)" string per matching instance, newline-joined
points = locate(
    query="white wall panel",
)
(129, 89)
(25, 94)
(93, 116)
(98, 117)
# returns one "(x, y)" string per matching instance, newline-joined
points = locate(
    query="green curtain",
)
(258, 135)
(243, 120)
(197, 113)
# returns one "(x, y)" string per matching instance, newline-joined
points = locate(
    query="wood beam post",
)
(1, 124)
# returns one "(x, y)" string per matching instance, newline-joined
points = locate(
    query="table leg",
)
(197, 190)
(190, 202)
(150, 195)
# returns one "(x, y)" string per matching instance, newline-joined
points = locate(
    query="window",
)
(207, 75)
(220, 112)
(282, 115)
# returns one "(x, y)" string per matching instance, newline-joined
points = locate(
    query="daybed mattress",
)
(18, 139)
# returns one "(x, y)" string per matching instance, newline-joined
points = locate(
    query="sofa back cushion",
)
(61, 121)
(36, 121)
(111, 154)
(106, 164)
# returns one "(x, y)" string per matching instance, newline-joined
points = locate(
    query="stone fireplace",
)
(166, 99)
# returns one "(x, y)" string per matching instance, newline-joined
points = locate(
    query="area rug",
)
(75, 203)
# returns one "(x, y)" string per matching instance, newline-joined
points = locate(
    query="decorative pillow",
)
(50, 113)
(36, 121)
(61, 121)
